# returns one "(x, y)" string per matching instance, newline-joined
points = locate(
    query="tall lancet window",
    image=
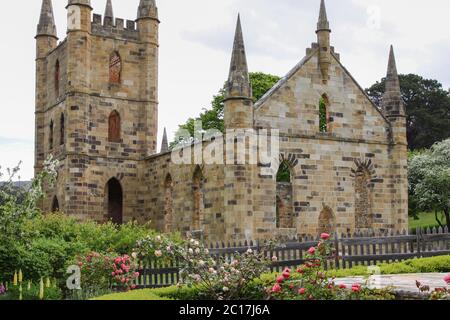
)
(114, 127)
(323, 114)
(115, 68)
(62, 129)
(57, 78)
(50, 135)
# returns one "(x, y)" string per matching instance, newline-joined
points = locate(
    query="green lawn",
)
(426, 219)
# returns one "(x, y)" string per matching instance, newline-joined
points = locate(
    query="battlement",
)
(116, 28)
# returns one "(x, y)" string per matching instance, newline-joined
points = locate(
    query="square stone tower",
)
(96, 107)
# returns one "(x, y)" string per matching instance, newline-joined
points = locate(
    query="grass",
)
(426, 219)
(440, 264)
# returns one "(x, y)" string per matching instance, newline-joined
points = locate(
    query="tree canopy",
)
(212, 117)
(429, 181)
(427, 109)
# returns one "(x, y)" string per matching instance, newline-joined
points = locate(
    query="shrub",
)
(215, 278)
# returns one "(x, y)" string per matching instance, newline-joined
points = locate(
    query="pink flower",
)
(447, 279)
(324, 236)
(300, 270)
(136, 274)
(356, 287)
(286, 274)
(276, 288)
(302, 291)
(280, 279)
(312, 250)
(342, 286)
(117, 260)
(133, 287)
(113, 274)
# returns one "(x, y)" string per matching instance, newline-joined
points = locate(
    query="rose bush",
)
(216, 277)
(311, 282)
(107, 271)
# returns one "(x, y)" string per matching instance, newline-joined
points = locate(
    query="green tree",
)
(429, 180)
(212, 118)
(427, 108)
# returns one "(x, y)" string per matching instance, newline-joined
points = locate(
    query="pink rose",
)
(280, 279)
(356, 288)
(302, 291)
(342, 286)
(113, 274)
(300, 270)
(447, 279)
(117, 260)
(136, 274)
(324, 236)
(133, 287)
(276, 288)
(312, 250)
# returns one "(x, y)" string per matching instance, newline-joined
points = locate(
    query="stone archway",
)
(114, 194)
(327, 221)
(55, 204)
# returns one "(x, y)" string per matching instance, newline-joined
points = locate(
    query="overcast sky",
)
(196, 39)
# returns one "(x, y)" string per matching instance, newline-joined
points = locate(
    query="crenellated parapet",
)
(114, 27)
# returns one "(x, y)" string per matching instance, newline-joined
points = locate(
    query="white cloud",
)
(196, 39)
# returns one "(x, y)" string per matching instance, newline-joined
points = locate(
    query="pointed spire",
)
(147, 9)
(109, 9)
(323, 23)
(46, 26)
(392, 98)
(238, 81)
(165, 143)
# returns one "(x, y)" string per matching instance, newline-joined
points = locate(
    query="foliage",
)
(135, 295)
(212, 118)
(313, 283)
(216, 278)
(284, 173)
(32, 292)
(105, 271)
(436, 294)
(429, 180)
(427, 108)
(424, 220)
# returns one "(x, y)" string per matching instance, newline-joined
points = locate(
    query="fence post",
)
(418, 236)
(336, 248)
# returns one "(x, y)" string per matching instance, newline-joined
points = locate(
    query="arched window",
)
(115, 201)
(114, 127)
(363, 203)
(284, 207)
(327, 221)
(115, 68)
(62, 129)
(50, 135)
(168, 204)
(55, 204)
(57, 78)
(197, 189)
(323, 114)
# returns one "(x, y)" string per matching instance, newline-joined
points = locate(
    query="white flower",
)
(158, 253)
(201, 263)
(249, 251)
(196, 243)
(191, 251)
(274, 259)
(134, 255)
(197, 251)
(225, 289)
(158, 238)
(206, 251)
(192, 241)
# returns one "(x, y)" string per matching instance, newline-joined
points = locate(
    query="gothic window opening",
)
(57, 78)
(284, 205)
(197, 189)
(62, 130)
(55, 204)
(50, 135)
(327, 221)
(363, 205)
(168, 204)
(114, 127)
(323, 114)
(114, 195)
(115, 68)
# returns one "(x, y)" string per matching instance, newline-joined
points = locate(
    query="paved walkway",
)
(399, 282)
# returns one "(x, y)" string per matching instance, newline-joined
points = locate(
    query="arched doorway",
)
(55, 204)
(115, 201)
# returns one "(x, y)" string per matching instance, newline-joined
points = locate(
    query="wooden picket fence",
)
(351, 250)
